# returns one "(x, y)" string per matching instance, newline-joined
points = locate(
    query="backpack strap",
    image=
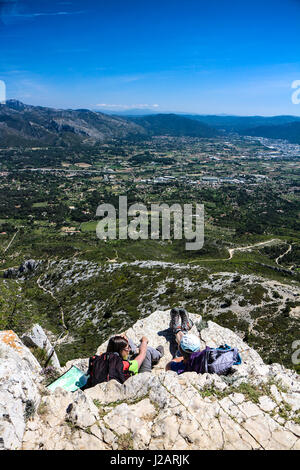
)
(91, 364)
(224, 347)
(88, 383)
(207, 349)
(126, 371)
(238, 360)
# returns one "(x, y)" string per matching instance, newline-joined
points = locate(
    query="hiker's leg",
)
(179, 336)
(146, 365)
(132, 346)
(175, 320)
(155, 354)
(152, 355)
(186, 322)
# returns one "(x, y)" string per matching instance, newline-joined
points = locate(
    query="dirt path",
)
(243, 248)
(10, 267)
(60, 339)
(14, 236)
(231, 251)
(283, 254)
(272, 285)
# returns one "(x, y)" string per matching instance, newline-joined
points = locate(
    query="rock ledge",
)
(257, 407)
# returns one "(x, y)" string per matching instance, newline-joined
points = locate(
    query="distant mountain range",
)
(174, 125)
(26, 125)
(289, 131)
(276, 127)
(242, 123)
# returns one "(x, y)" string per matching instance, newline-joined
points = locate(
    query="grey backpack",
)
(220, 360)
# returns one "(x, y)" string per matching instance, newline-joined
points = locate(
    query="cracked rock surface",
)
(256, 407)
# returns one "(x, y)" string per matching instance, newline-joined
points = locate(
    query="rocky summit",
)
(255, 407)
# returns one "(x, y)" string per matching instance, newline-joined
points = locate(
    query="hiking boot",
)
(186, 322)
(175, 322)
(161, 351)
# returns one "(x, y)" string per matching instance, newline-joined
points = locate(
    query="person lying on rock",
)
(188, 343)
(191, 359)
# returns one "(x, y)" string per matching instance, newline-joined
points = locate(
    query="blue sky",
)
(206, 57)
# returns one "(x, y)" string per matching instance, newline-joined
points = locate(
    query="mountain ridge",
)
(25, 124)
(22, 124)
(174, 125)
(289, 131)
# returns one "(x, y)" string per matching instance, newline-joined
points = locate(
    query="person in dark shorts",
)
(188, 343)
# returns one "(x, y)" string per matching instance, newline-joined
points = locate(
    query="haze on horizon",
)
(219, 58)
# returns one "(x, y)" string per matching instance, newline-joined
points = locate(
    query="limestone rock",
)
(256, 407)
(19, 394)
(36, 337)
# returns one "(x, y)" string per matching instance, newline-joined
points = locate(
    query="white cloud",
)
(128, 106)
(35, 15)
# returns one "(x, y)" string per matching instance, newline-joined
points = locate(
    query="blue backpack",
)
(214, 360)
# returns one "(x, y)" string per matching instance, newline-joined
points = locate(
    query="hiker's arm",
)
(142, 351)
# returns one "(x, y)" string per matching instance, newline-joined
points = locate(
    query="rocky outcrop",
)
(29, 266)
(256, 407)
(253, 306)
(19, 393)
(37, 338)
